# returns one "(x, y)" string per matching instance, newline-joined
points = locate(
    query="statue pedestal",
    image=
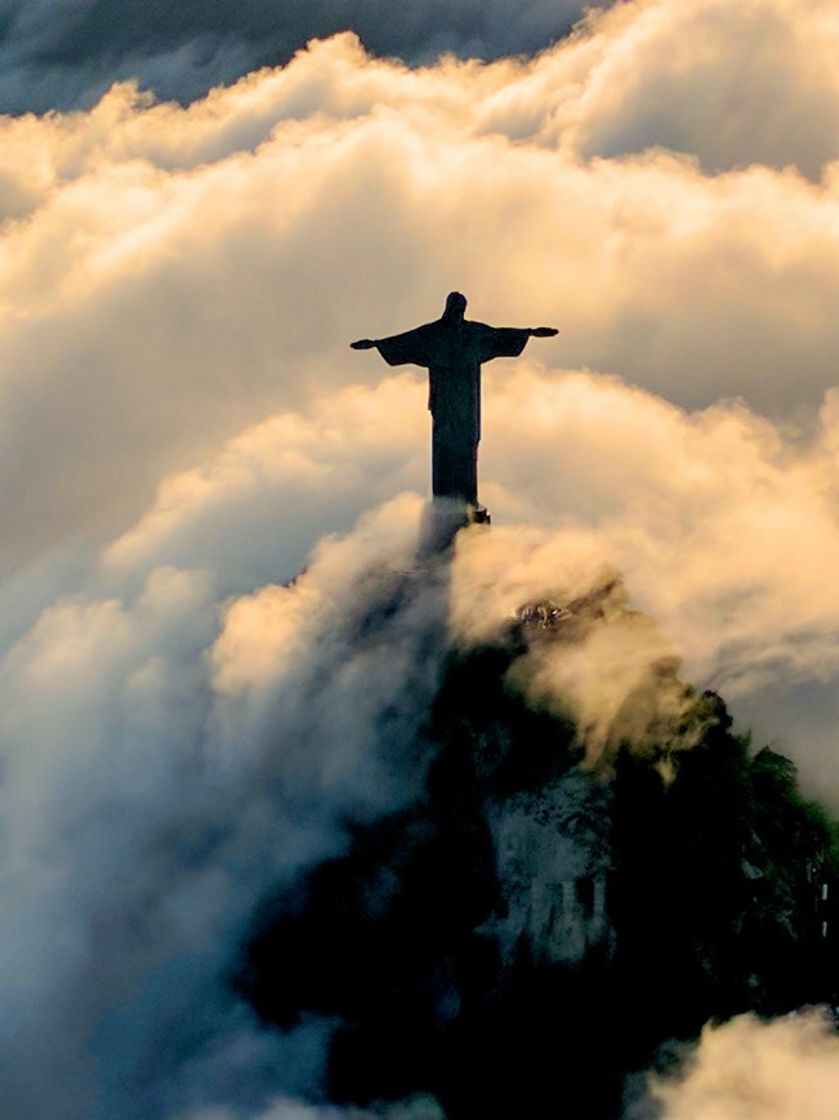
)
(442, 520)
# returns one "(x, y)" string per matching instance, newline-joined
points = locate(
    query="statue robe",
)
(453, 354)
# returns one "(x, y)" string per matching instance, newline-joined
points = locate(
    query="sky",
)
(62, 53)
(185, 427)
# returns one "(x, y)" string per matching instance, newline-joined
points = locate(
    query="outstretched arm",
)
(399, 349)
(508, 342)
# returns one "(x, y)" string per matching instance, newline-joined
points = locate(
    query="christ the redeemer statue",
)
(453, 349)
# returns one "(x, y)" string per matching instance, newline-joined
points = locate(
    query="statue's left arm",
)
(508, 342)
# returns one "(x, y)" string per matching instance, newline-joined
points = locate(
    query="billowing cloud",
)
(192, 755)
(780, 1070)
(729, 84)
(182, 421)
(57, 53)
(173, 274)
(585, 475)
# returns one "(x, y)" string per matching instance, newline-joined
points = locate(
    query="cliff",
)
(546, 919)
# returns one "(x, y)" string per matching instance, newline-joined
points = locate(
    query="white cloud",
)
(182, 420)
(56, 54)
(787, 1069)
(164, 766)
(711, 518)
(183, 273)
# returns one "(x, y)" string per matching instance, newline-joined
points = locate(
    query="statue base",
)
(442, 520)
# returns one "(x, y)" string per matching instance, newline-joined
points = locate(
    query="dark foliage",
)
(714, 906)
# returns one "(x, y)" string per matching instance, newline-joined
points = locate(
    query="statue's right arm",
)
(407, 348)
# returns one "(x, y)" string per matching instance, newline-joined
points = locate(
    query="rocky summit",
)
(562, 905)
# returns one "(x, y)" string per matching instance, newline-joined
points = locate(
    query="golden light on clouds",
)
(170, 274)
(183, 422)
(179, 285)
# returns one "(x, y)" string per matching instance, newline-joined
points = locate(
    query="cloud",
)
(167, 759)
(182, 421)
(780, 1070)
(304, 472)
(723, 528)
(172, 275)
(730, 84)
(710, 517)
(58, 54)
(171, 756)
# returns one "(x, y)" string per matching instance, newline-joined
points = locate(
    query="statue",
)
(453, 350)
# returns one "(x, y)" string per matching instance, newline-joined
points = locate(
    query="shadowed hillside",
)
(536, 928)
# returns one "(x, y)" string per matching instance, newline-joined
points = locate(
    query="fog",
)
(185, 428)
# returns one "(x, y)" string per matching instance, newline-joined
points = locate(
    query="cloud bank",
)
(711, 517)
(779, 1070)
(172, 275)
(192, 755)
(182, 421)
(56, 54)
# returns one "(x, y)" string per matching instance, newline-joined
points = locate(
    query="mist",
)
(786, 1068)
(214, 664)
(191, 754)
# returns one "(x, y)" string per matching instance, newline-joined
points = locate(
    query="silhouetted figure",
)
(453, 350)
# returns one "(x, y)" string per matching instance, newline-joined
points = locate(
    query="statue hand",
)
(543, 332)
(363, 344)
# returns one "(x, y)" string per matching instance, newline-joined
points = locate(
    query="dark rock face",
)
(530, 934)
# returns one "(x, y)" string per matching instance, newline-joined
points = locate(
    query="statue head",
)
(455, 307)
